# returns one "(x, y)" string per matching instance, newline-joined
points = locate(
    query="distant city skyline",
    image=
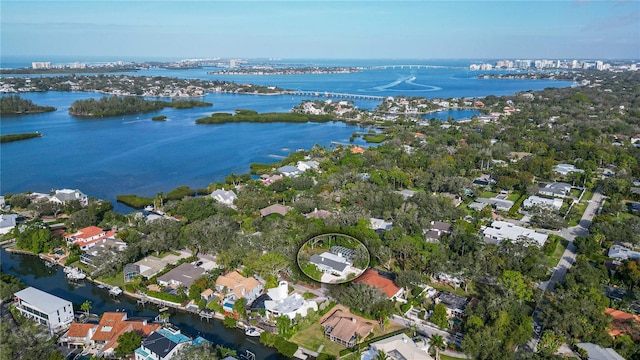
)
(579, 29)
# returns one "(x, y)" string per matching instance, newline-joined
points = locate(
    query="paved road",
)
(424, 328)
(582, 229)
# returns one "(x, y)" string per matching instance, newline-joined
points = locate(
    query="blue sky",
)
(326, 29)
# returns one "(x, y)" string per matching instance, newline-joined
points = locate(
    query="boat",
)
(148, 208)
(252, 331)
(115, 291)
(74, 273)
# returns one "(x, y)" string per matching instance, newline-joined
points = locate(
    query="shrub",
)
(229, 322)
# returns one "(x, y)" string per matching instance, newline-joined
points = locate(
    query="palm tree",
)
(437, 341)
(381, 356)
(86, 307)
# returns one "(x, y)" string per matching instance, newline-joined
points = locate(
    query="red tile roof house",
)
(79, 335)
(345, 328)
(372, 278)
(114, 324)
(86, 238)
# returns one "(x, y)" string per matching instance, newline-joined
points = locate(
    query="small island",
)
(253, 116)
(159, 118)
(17, 137)
(15, 105)
(127, 105)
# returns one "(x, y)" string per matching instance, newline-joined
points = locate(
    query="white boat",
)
(74, 273)
(115, 291)
(148, 208)
(251, 331)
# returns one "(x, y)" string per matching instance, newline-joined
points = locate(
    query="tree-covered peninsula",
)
(5, 138)
(252, 116)
(15, 105)
(127, 105)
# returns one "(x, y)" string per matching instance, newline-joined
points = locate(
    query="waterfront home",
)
(270, 179)
(78, 336)
(151, 265)
(500, 231)
(531, 201)
(182, 275)
(397, 347)
(373, 278)
(104, 246)
(161, 344)
(455, 304)
(112, 325)
(345, 329)
(234, 286)
(7, 222)
(357, 150)
(88, 237)
(224, 196)
(307, 165)
(281, 303)
(275, 209)
(65, 195)
(48, 310)
(289, 171)
(207, 295)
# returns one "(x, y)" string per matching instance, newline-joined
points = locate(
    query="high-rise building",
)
(41, 65)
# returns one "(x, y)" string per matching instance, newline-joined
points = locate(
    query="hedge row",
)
(281, 344)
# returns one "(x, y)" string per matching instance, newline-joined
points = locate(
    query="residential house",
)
(373, 278)
(565, 169)
(456, 199)
(289, 171)
(275, 209)
(484, 180)
(516, 156)
(357, 150)
(500, 231)
(224, 196)
(182, 275)
(399, 347)
(161, 344)
(48, 310)
(233, 286)
(380, 224)
(87, 237)
(455, 304)
(555, 189)
(307, 165)
(596, 352)
(501, 204)
(270, 179)
(114, 324)
(318, 214)
(477, 206)
(330, 264)
(406, 193)
(343, 252)
(207, 295)
(438, 229)
(624, 323)
(7, 223)
(65, 195)
(281, 303)
(105, 245)
(345, 329)
(78, 336)
(622, 253)
(533, 200)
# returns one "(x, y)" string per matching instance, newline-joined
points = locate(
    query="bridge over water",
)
(409, 66)
(328, 94)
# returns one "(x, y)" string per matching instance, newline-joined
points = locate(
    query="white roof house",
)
(289, 305)
(531, 201)
(306, 165)
(622, 253)
(7, 223)
(64, 195)
(596, 352)
(501, 230)
(398, 347)
(556, 189)
(224, 196)
(565, 169)
(54, 312)
(289, 171)
(379, 224)
(330, 263)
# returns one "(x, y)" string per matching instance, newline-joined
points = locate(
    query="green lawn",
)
(116, 280)
(575, 193)
(168, 253)
(576, 213)
(448, 357)
(554, 259)
(513, 197)
(312, 337)
(587, 195)
(458, 291)
(488, 194)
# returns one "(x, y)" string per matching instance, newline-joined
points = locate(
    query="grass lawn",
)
(116, 280)
(312, 337)
(458, 291)
(513, 197)
(554, 259)
(488, 194)
(575, 193)
(587, 195)
(168, 253)
(576, 213)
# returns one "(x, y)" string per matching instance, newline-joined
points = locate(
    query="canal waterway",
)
(32, 271)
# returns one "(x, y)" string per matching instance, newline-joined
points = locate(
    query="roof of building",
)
(441, 225)
(163, 341)
(224, 195)
(114, 324)
(44, 301)
(380, 224)
(318, 214)
(183, 273)
(78, 330)
(452, 301)
(505, 230)
(322, 260)
(596, 352)
(275, 209)
(357, 150)
(8, 220)
(68, 194)
(402, 347)
(206, 293)
(87, 232)
(288, 169)
(622, 253)
(237, 284)
(372, 278)
(623, 323)
(342, 251)
(345, 326)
